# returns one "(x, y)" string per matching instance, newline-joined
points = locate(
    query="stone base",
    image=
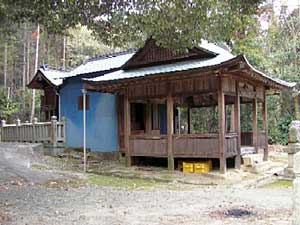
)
(51, 150)
(259, 167)
(296, 201)
(288, 172)
(252, 159)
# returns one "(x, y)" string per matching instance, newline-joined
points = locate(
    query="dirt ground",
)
(40, 190)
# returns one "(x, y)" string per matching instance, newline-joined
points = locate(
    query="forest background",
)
(70, 32)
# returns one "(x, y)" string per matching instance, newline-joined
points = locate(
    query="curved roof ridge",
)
(110, 55)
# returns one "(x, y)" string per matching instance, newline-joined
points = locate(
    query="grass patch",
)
(166, 176)
(279, 159)
(64, 183)
(119, 182)
(40, 167)
(280, 184)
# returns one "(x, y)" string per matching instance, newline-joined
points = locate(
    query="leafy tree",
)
(174, 23)
(8, 107)
(82, 45)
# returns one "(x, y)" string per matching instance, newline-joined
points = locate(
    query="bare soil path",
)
(38, 196)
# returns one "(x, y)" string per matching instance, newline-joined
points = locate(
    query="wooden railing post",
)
(27, 129)
(54, 130)
(34, 136)
(3, 122)
(18, 124)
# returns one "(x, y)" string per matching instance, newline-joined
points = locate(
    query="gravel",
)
(25, 200)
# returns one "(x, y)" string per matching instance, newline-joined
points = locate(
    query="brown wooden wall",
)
(202, 84)
(190, 145)
(49, 103)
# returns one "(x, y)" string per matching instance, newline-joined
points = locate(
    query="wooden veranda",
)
(230, 83)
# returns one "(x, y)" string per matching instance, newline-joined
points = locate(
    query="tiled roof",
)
(101, 63)
(54, 76)
(223, 56)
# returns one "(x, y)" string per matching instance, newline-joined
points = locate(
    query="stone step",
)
(251, 160)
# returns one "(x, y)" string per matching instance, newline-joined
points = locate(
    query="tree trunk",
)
(5, 65)
(24, 59)
(28, 60)
(64, 53)
(35, 70)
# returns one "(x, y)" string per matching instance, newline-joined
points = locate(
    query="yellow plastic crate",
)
(188, 167)
(203, 167)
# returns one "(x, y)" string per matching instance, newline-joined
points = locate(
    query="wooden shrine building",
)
(156, 82)
(48, 80)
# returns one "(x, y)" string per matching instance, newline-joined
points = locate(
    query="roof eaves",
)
(282, 83)
(44, 76)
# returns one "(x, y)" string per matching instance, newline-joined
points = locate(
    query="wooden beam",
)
(170, 130)
(265, 126)
(127, 130)
(237, 123)
(221, 121)
(254, 124)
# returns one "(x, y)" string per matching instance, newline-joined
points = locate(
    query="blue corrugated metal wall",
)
(101, 128)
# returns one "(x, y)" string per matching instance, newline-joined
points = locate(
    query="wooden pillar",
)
(127, 130)
(221, 120)
(170, 130)
(189, 119)
(265, 126)
(148, 118)
(237, 123)
(254, 124)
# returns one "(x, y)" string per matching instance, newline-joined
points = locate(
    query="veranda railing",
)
(42, 132)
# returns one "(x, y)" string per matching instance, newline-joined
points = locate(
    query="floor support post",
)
(254, 124)
(221, 120)
(237, 123)
(127, 130)
(265, 125)
(170, 130)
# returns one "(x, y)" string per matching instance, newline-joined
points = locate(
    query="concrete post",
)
(18, 124)
(34, 133)
(296, 184)
(293, 147)
(63, 120)
(3, 122)
(54, 130)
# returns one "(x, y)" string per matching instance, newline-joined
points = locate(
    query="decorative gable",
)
(152, 54)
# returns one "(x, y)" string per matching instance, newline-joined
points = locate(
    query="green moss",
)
(128, 183)
(166, 176)
(64, 183)
(280, 184)
(279, 158)
(40, 167)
